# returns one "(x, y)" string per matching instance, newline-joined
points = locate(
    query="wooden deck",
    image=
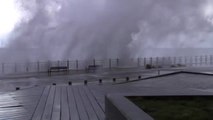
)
(51, 103)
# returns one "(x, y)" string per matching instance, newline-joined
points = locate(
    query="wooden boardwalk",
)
(51, 103)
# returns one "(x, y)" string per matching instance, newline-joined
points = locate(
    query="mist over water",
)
(82, 29)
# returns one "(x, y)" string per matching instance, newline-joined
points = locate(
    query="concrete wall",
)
(118, 107)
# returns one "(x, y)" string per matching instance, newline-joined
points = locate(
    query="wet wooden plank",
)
(49, 105)
(55, 103)
(99, 112)
(99, 96)
(81, 109)
(37, 115)
(64, 104)
(74, 114)
(87, 105)
(56, 112)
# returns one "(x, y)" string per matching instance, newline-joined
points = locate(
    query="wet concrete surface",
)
(25, 81)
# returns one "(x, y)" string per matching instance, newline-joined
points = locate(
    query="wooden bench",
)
(93, 68)
(58, 69)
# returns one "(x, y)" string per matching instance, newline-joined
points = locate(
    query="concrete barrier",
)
(118, 107)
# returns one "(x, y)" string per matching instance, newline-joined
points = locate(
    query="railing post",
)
(49, 64)
(15, 68)
(158, 72)
(175, 61)
(206, 59)
(144, 62)
(38, 66)
(201, 60)
(180, 60)
(76, 64)
(191, 61)
(151, 61)
(94, 62)
(117, 61)
(68, 63)
(163, 61)
(110, 63)
(169, 61)
(27, 67)
(196, 62)
(3, 68)
(138, 62)
(157, 64)
(185, 61)
(58, 63)
(211, 59)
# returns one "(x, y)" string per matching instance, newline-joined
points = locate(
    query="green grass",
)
(176, 108)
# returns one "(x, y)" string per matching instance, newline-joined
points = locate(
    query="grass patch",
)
(176, 107)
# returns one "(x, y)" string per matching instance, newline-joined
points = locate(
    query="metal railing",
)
(39, 66)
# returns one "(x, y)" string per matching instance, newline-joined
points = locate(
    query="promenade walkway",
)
(87, 102)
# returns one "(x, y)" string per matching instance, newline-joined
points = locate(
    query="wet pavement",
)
(39, 99)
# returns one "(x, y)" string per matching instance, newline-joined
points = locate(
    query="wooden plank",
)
(41, 105)
(64, 105)
(100, 97)
(95, 105)
(49, 104)
(74, 115)
(87, 104)
(81, 109)
(56, 112)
